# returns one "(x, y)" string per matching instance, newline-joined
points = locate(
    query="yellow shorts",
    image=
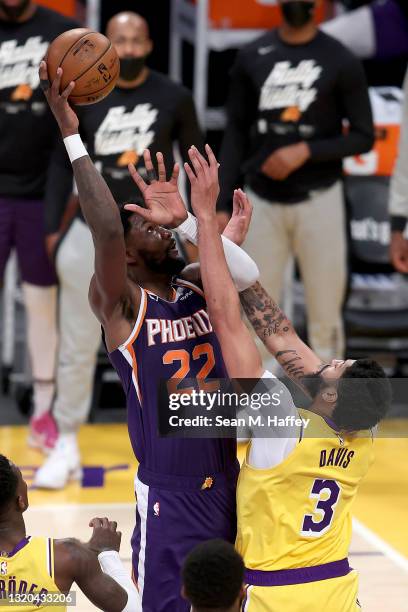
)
(331, 595)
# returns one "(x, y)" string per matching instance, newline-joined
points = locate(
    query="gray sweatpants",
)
(314, 232)
(80, 331)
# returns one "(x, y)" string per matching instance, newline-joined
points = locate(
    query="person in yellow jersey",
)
(294, 494)
(37, 573)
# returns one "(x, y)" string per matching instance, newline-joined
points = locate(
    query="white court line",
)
(377, 542)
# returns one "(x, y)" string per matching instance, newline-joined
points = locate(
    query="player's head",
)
(129, 33)
(13, 490)
(149, 246)
(213, 577)
(13, 9)
(355, 393)
(297, 13)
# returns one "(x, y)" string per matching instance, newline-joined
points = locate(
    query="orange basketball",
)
(89, 59)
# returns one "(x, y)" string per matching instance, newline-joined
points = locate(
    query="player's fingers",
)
(235, 203)
(200, 158)
(105, 522)
(175, 175)
(119, 534)
(211, 157)
(161, 167)
(55, 87)
(151, 174)
(95, 522)
(191, 176)
(137, 178)
(68, 90)
(139, 210)
(195, 162)
(113, 525)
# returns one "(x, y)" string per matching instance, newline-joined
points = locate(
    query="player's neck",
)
(25, 16)
(159, 284)
(321, 408)
(136, 82)
(12, 531)
(297, 36)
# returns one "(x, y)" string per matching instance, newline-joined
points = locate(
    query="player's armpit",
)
(74, 562)
(278, 334)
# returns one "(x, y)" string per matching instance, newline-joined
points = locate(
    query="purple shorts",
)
(391, 28)
(173, 515)
(22, 228)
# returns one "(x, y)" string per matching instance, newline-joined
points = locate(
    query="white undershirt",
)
(268, 452)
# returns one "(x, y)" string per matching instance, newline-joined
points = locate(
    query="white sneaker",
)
(62, 465)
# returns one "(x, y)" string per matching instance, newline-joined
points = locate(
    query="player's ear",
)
(329, 395)
(183, 592)
(149, 46)
(241, 595)
(22, 503)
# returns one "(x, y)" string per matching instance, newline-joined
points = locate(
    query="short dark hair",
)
(364, 396)
(8, 482)
(213, 575)
(125, 215)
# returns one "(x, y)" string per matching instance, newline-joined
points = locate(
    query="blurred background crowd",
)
(313, 125)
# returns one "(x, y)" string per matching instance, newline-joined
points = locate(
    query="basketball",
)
(89, 59)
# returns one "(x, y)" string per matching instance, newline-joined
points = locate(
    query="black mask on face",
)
(14, 12)
(131, 67)
(297, 13)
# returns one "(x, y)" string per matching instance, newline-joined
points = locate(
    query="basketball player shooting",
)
(156, 327)
(46, 568)
(294, 495)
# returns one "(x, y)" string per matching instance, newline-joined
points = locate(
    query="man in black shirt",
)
(145, 110)
(290, 91)
(28, 135)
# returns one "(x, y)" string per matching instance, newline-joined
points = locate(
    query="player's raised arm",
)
(98, 206)
(240, 354)
(97, 569)
(278, 334)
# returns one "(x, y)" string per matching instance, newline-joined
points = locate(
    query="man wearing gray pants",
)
(291, 92)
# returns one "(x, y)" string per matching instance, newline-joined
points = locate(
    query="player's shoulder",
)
(172, 87)
(55, 20)
(252, 49)
(336, 50)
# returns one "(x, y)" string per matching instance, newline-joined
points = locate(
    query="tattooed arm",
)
(278, 334)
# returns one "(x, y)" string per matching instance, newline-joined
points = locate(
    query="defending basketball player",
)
(156, 327)
(293, 498)
(47, 568)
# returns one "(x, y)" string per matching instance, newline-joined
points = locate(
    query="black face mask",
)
(131, 67)
(297, 13)
(14, 12)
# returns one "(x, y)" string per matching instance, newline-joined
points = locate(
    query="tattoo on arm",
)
(264, 314)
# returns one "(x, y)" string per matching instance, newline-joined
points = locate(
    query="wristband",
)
(75, 147)
(189, 228)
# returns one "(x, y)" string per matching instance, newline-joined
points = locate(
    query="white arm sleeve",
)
(243, 269)
(111, 564)
(266, 453)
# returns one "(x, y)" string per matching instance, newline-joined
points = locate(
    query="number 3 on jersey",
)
(327, 492)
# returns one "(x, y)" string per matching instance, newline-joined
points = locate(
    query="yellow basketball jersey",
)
(29, 569)
(298, 513)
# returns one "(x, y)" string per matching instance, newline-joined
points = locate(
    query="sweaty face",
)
(155, 246)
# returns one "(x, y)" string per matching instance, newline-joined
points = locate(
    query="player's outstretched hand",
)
(237, 227)
(203, 178)
(105, 535)
(164, 204)
(62, 111)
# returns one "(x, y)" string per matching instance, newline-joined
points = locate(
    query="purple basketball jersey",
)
(170, 339)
